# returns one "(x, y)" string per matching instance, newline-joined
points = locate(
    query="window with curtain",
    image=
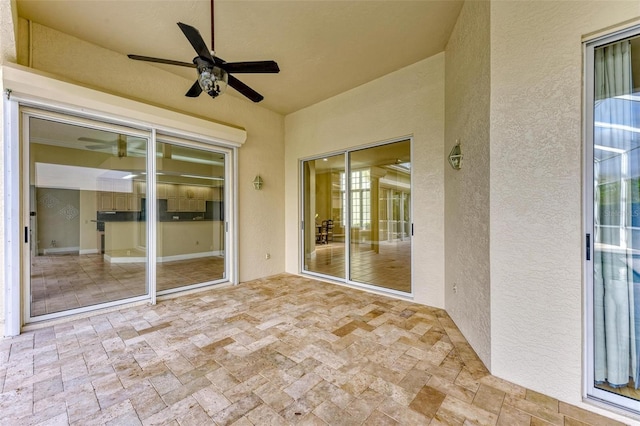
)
(616, 224)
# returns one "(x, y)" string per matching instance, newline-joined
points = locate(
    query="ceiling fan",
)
(120, 145)
(214, 73)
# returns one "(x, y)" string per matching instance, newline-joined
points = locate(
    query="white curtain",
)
(614, 310)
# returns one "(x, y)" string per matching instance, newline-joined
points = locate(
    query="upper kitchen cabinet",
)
(120, 195)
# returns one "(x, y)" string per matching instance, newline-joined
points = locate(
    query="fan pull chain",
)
(213, 45)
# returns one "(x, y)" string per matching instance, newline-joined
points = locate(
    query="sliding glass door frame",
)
(590, 391)
(27, 219)
(22, 111)
(228, 244)
(347, 214)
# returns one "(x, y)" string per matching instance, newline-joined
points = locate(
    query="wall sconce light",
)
(455, 156)
(257, 182)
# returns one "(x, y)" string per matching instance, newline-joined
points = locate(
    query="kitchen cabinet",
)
(172, 197)
(126, 196)
(161, 191)
(119, 196)
(186, 198)
(140, 188)
(172, 204)
(105, 201)
(120, 202)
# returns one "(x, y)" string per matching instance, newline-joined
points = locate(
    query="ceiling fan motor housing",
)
(213, 80)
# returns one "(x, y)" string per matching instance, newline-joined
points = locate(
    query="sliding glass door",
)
(613, 220)
(84, 215)
(380, 194)
(190, 187)
(324, 216)
(356, 216)
(90, 219)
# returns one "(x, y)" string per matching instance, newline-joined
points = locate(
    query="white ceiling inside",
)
(323, 47)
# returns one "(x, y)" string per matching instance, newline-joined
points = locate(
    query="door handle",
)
(588, 247)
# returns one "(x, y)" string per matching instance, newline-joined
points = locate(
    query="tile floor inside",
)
(64, 282)
(388, 267)
(70, 281)
(276, 351)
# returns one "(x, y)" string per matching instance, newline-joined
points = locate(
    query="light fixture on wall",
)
(455, 156)
(257, 182)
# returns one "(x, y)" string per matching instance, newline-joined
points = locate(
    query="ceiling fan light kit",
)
(214, 73)
(212, 81)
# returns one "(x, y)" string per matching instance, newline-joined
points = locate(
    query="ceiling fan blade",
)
(95, 140)
(162, 61)
(244, 89)
(195, 90)
(265, 67)
(97, 147)
(194, 37)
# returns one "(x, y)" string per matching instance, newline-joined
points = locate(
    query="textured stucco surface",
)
(536, 186)
(8, 30)
(261, 213)
(467, 102)
(407, 102)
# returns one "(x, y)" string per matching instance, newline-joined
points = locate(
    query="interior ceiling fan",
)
(214, 73)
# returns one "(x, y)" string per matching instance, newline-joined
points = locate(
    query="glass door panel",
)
(324, 216)
(379, 199)
(616, 223)
(84, 207)
(190, 188)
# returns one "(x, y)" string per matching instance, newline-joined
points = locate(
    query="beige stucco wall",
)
(407, 102)
(467, 92)
(8, 30)
(261, 213)
(536, 186)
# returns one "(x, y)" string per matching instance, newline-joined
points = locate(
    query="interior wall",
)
(407, 102)
(261, 213)
(467, 103)
(536, 187)
(89, 238)
(323, 196)
(58, 217)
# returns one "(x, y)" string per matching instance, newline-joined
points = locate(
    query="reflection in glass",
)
(324, 219)
(190, 216)
(85, 216)
(380, 199)
(616, 260)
